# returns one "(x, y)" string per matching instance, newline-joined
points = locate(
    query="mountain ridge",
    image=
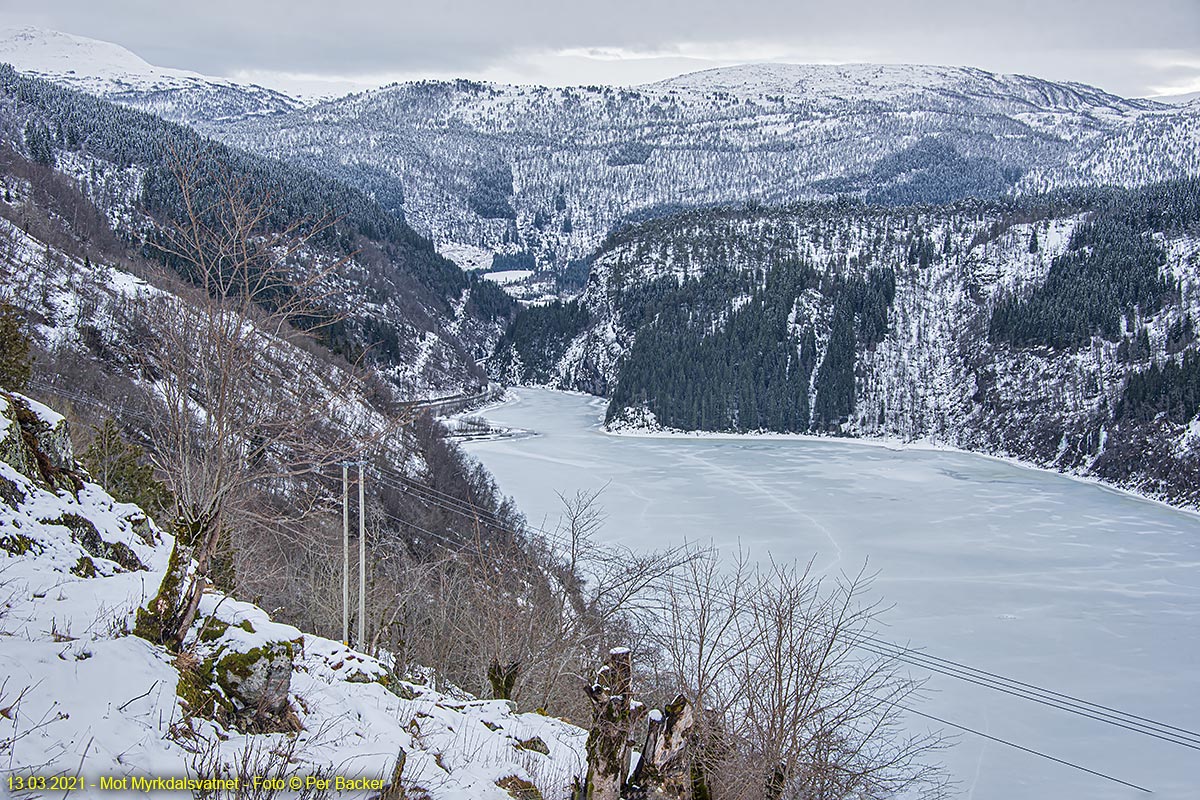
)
(545, 173)
(778, 77)
(549, 172)
(116, 73)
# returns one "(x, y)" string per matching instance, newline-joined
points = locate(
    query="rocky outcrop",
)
(36, 443)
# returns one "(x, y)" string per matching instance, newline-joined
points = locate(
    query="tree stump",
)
(614, 715)
(664, 770)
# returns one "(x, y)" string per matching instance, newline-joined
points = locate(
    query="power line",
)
(983, 678)
(996, 686)
(1022, 748)
(1138, 724)
(479, 514)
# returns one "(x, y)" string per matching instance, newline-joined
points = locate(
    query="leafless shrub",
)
(516, 618)
(265, 768)
(791, 706)
(233, 430)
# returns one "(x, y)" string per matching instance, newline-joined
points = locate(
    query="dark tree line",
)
(702, 361)
(538, 337)
(399, 270)
(1112, 267)
(1171, 389)
(931, 171)
(58, 119)
(1109, 270)
(491, 193)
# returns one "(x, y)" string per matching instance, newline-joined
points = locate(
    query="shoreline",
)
(892, 443)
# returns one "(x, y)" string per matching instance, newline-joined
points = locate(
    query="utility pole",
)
(362, 559)
(346, 553)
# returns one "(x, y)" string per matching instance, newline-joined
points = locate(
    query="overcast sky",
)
(1130, 47)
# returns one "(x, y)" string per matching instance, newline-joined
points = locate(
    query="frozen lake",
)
(1058, 583)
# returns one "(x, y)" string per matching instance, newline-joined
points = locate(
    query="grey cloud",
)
(1066, 39)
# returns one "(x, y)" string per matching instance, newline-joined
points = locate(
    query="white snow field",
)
(1032, 575)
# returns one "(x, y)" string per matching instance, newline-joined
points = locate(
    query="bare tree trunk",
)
(614, 714)
(226, 431)
(503, 677)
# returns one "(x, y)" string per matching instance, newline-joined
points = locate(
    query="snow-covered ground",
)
(1056, 582)
(466, 256)
(81, 696)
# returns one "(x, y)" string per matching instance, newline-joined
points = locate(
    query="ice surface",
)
(508, 275)
(1029, 574)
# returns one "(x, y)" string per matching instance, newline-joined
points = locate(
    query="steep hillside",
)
(550, 171)
(102, 179)
(243, 696)
(1060, 330)
(545, 173)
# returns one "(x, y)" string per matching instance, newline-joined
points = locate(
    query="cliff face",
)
(933, 361)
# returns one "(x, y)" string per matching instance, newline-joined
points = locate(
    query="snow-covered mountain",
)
(115, 73)
(546, 173)
(1177, 99)
(550, 171)
(418, 314)
(832, 84)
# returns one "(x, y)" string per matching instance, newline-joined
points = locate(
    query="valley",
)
(799, 431)
(1057, 582)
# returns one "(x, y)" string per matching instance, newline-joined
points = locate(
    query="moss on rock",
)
(84, 568)
(259, 679)
(519, 788)
(212, 629)
(84, 532)
(10, 493)
(195, 687)
(38, 451)
(18, 544)
(154, 620)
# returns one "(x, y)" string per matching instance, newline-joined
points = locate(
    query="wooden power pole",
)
(362, 559)
(346, 554)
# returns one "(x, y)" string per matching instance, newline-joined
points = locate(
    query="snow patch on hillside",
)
(48, 52)
(112, 71)
(507, 276)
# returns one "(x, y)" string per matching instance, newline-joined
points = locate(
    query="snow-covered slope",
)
(113, 72)
(417, 313)
(481, 167)
(550, 171)
(894, 83)
(82, 696)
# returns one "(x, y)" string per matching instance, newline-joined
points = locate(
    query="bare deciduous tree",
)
(234, 429)
(788, 704)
